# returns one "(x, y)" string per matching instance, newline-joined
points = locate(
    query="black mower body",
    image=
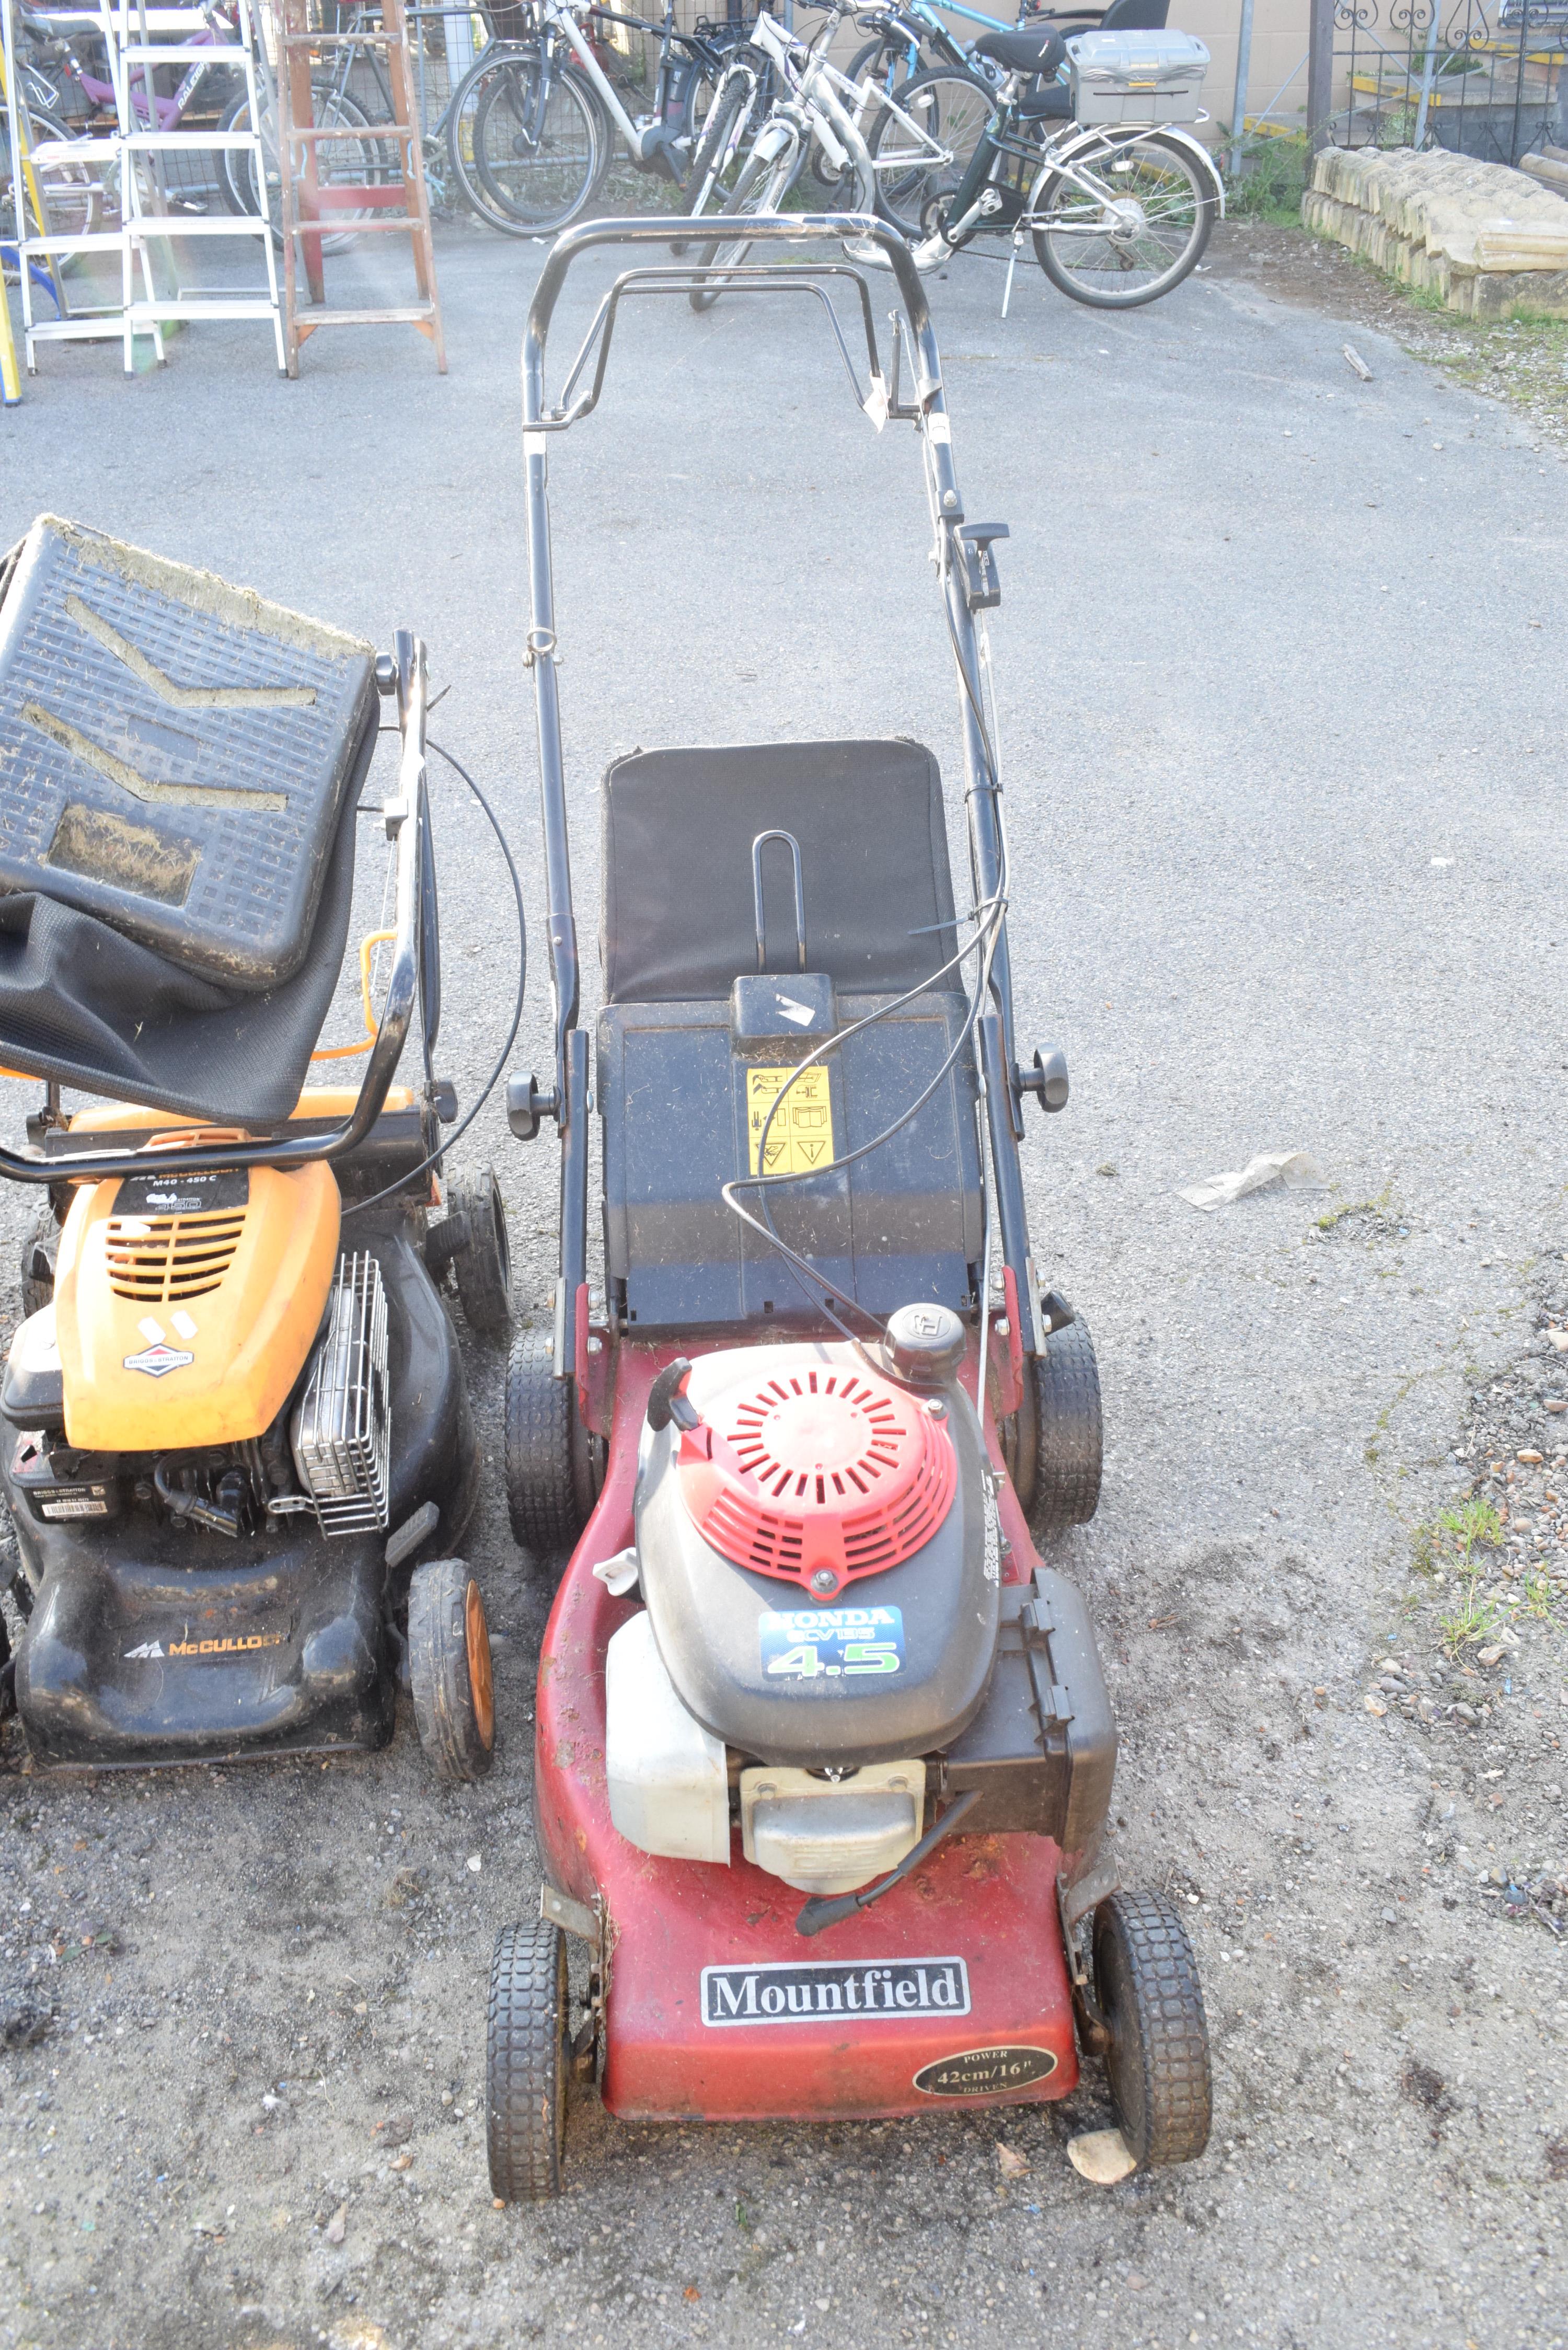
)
(149, 1641)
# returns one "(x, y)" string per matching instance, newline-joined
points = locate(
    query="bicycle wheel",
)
(72, 193)
(1140, 233)
(760, 189)
(339, 163)
(528, 154)
(922, 151)
(720, 151)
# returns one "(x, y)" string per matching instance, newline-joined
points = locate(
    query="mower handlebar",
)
(782, 229)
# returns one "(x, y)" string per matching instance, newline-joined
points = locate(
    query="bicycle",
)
(819, 115)
(506, 20)
(531, 128)
(1118, 213)
(70, 194)
(355, 162)
(235, 172)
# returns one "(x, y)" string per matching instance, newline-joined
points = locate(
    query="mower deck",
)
(952, 1990)
(148, 1644)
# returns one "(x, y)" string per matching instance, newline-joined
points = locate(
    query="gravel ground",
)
(1281, 734)
(1523, 362)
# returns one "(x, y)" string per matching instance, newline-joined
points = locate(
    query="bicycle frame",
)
(967, 210)
(673, 75)
(1056, 157)
(641, 140)
(817, 85)
(164, 113)
(911, 15)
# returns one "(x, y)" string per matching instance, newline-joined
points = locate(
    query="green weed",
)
(1266, 182)
(1540, 1600)
(1474, 1617)
(1472, 1522)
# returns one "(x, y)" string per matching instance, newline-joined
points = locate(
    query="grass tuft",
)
(1472, 1522)
(1473, 1619)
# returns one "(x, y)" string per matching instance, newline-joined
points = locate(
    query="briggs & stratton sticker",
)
(156, 1360)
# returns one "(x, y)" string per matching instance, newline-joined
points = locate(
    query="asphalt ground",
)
(1282, 706)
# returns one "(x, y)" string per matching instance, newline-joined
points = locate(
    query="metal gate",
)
(1483, 78)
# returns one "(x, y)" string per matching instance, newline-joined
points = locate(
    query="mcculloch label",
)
(879, 1990)
(231, 1645)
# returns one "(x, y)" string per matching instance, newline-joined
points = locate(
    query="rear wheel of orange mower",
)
(449, 1670)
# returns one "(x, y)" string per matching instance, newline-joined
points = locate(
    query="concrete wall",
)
(1279, 42)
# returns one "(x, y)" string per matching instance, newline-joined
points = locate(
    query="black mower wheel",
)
(1054, 1451)
(38, 1251)
(527, 2063)
(1146, 1982)
(554, 1465)
(449, 1670)
(484, 1264)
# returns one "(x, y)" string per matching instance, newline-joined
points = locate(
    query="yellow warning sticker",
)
(801, 1136)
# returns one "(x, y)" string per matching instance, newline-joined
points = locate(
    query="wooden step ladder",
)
(308, 206)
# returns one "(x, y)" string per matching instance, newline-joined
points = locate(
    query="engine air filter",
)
(818, 1475)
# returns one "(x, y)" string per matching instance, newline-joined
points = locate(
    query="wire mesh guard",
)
(342, 1428)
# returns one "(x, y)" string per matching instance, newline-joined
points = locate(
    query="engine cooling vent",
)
(819, 1475)
(342, 1430)
(161, 1260)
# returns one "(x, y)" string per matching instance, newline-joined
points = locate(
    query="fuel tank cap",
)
(925, 1344)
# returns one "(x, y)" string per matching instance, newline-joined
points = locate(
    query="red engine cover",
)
(818, 1475)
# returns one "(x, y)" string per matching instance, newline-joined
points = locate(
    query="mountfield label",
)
(875, 1990)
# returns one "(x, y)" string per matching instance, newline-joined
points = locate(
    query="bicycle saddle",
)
(1028, 52)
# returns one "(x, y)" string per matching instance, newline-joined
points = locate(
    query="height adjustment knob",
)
(1047, 1080)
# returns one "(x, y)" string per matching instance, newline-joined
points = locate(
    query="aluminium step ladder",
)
(130, 152)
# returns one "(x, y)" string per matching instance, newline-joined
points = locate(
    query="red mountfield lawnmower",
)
(824, 1749)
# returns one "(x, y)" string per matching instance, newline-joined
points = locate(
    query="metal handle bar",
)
(680, 278)
(405, 820)
(780, 229)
